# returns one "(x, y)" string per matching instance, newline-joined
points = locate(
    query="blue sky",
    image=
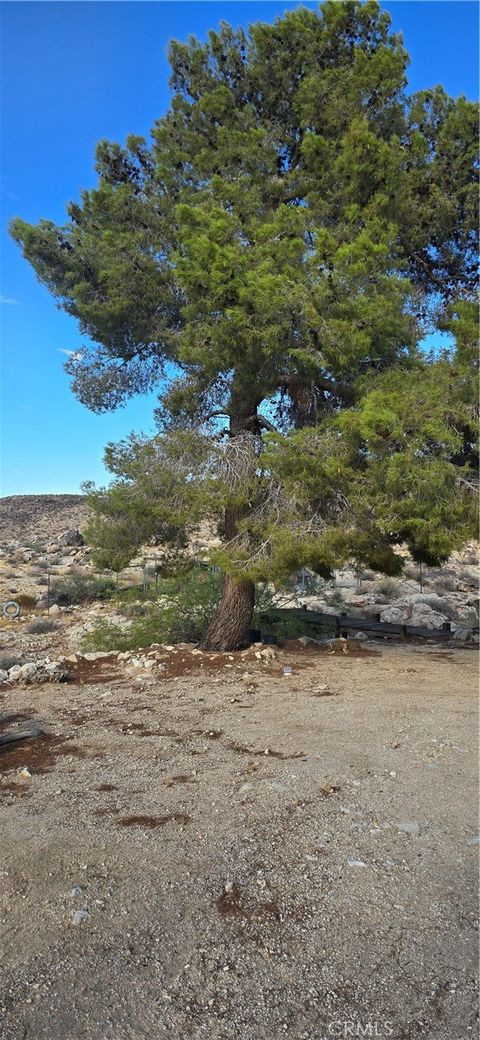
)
(73, 73)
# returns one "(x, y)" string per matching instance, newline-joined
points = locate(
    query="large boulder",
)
(398, 615)
(423, 615)
(72, 537)
(418, 614)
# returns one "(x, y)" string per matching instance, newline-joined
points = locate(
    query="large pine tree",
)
(271, 260)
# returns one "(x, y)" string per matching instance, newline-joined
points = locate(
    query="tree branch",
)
(266, 424)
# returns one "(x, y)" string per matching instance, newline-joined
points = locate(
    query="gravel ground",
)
(244, 856)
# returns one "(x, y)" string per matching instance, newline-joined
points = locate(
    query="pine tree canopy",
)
(270, 260)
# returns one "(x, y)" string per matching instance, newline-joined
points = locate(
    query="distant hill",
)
(44, 517)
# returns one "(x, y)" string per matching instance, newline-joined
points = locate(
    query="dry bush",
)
(389, 588)
(41, 626)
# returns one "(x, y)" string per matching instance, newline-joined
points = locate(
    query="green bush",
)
(80, 588)
(26, 601)
(180, 614)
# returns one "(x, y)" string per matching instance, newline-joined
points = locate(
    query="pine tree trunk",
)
(228, 629)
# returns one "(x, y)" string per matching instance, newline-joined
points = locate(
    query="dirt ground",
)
(238, 853)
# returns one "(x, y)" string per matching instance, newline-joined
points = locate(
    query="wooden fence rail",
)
(344, 624)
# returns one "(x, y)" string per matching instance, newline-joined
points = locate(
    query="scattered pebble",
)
(79, 917)
(409, 827)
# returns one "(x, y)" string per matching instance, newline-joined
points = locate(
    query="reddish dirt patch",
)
(229, 904)
(85, 673)
(211, 734)
(14, 717)
(39, 754)
(10, 787)
(139, 729)
(153, 821)
(178, 778)
(184, 662)
(265, 752)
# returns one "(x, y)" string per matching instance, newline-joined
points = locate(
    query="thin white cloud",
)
(8, 299)
(70, 353)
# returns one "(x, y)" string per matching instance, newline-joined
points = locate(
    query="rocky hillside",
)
(35, 518)
(45, 566)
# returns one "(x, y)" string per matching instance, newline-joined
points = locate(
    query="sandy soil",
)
(211, 825)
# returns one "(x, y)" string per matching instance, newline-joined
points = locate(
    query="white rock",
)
(52, 667)
(99, 655)
(25, 773)
(352, 862)
(396, 615)
(268, 653)
(80, 916)
(459, 632)
(28, 669)
(422, 614)
(14, 671)
(3, 675)
(430, 599)
(409, 827)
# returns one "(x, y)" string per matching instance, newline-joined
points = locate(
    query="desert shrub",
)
(80, 588)
(26, 601)
(366, 575)
(335, 598)
(42, 580)
(412, 571)
(180, 614)
(13, 558)
(467, 578)
(41, 626)
(444, 584)
(35, 546)
(286, 625)
(388, 587)
(7, 662)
